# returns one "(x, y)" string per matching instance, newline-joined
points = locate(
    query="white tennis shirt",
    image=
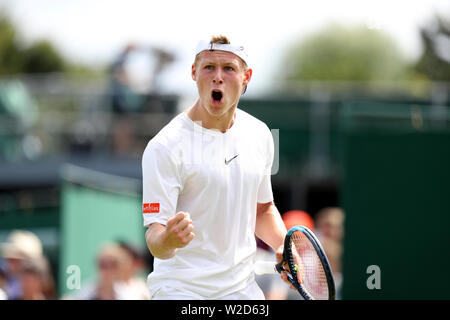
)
(218, 178)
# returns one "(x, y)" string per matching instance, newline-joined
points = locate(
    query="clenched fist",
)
(164, 240)
(179, 230)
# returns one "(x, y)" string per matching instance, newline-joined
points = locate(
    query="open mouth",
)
(216, 96)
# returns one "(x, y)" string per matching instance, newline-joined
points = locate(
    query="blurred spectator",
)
(330, 231)
(330, 223)
(36, 280)
(109, 260)
(123, 101)
(123, 98)
(20, 247)
(135, 83)
(163, 59)
(131, 282)
(114, 266)
(272, 285)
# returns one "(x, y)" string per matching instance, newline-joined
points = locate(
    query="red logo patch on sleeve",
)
(150, 208)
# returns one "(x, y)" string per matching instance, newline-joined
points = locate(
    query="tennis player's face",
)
(220, 78)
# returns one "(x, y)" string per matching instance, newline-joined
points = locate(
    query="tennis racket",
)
(304, 255)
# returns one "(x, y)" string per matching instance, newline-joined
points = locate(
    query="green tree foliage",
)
(42, 57)
(435, 60)
(15, 58)
(344, 53)
(9, 49)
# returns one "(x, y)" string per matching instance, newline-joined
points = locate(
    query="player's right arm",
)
(163, 241)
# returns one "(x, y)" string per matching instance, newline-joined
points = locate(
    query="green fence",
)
(392, 162)
(395, 190)
(97, 208)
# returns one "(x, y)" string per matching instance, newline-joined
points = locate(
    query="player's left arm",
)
(270, 228)
(269, 225)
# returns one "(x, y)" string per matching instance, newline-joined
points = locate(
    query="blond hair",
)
(220, 39)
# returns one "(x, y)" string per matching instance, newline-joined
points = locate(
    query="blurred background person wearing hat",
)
(20, 248)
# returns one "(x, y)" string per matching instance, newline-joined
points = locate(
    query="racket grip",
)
(265, 267)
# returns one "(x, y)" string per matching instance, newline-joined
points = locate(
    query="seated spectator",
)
(20, 247)
(330, 231)
(114, 280)
(131, 282)
(36, 280)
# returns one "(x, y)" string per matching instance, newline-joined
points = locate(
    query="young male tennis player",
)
(207, 187)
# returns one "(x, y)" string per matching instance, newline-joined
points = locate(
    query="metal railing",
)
(58, 114)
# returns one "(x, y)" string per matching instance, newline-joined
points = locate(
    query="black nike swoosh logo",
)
(228, 161)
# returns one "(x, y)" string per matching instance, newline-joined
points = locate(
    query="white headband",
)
(237, 50)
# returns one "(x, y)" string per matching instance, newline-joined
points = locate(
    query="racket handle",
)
(265, 267)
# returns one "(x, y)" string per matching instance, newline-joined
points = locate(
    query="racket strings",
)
(310, 271)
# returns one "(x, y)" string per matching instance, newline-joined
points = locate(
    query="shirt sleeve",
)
(265, 193)
(161, 184)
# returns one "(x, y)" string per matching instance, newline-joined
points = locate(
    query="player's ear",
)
(193, 72)
(247, 76)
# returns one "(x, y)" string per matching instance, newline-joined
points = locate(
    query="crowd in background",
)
(25, 271)
(118, 268)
